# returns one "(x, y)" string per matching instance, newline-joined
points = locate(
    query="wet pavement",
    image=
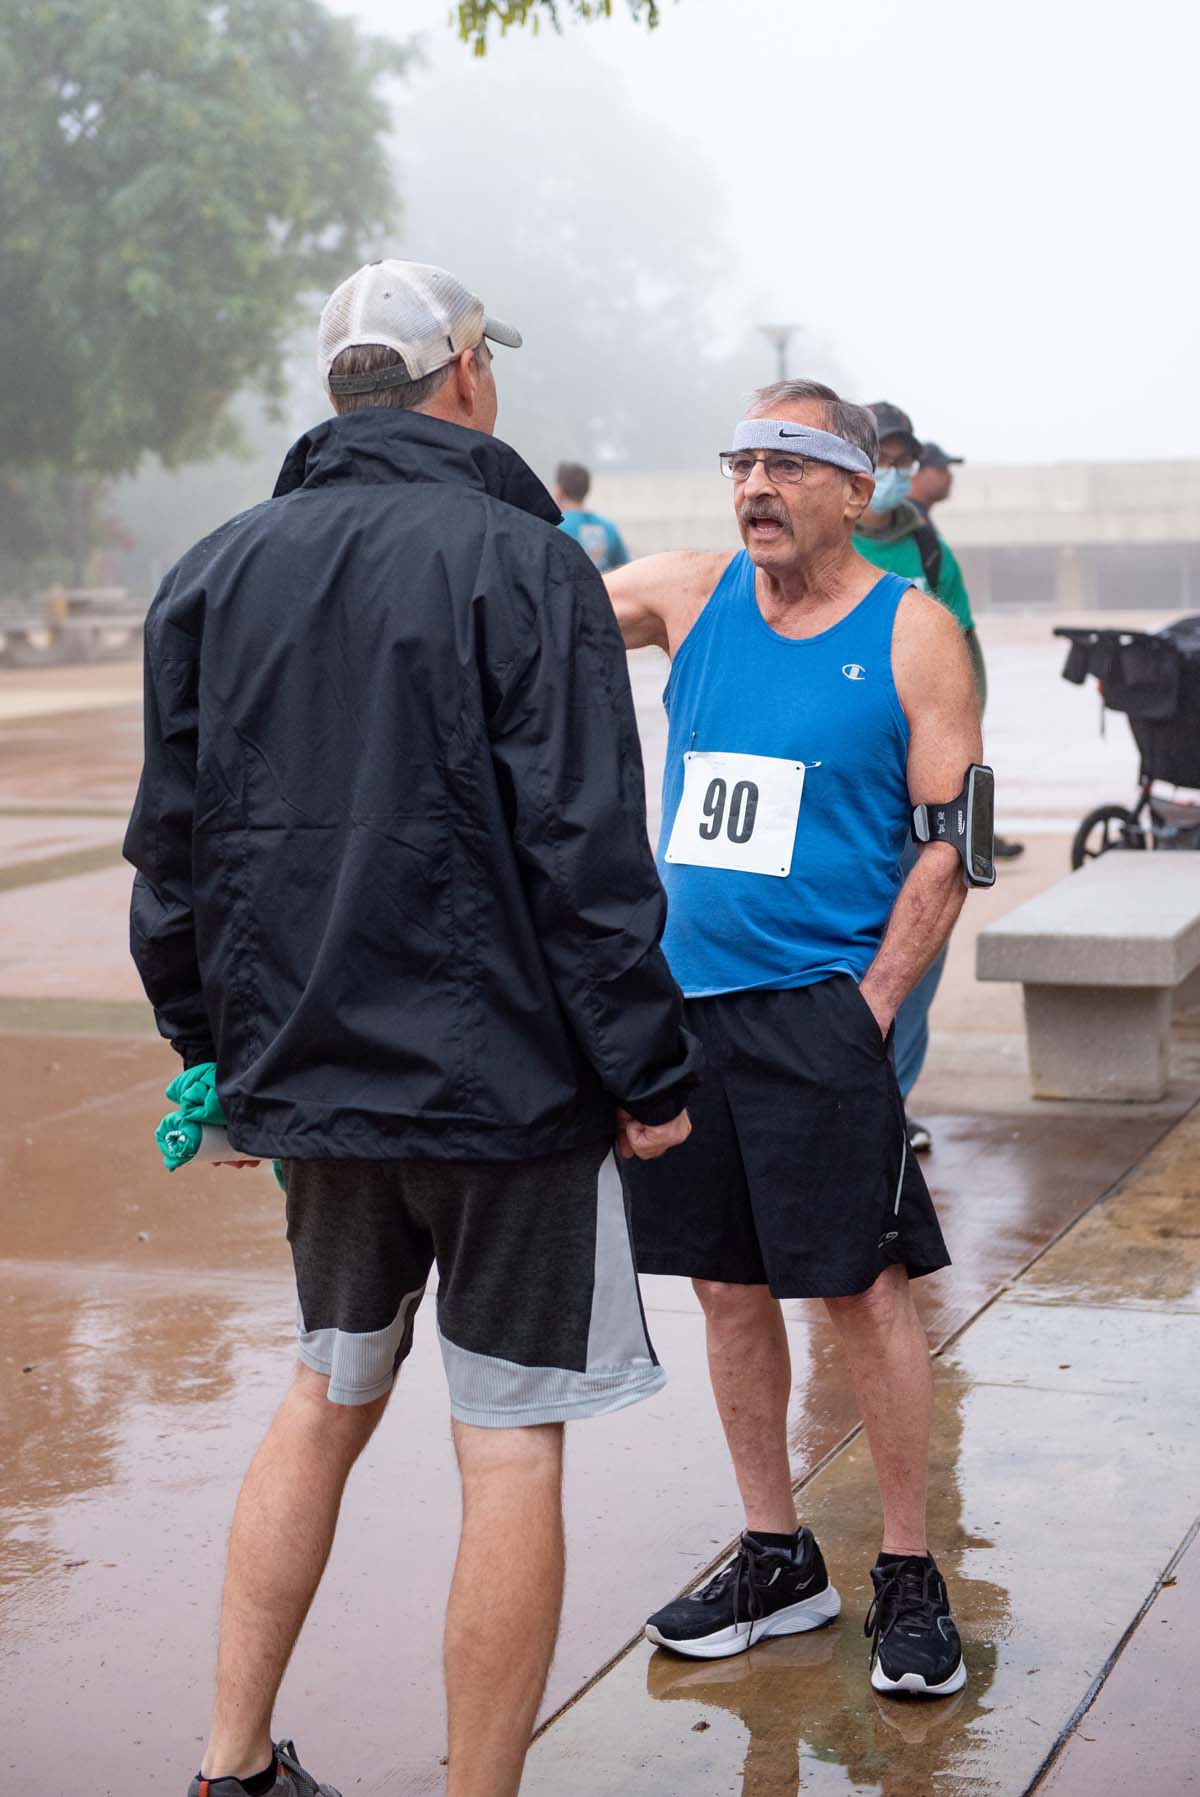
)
(1060, 1410)
(1143, 1731)
(146, 1334)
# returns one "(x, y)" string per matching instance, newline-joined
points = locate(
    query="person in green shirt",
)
(933, 482)
(904, 540)
(897, 535)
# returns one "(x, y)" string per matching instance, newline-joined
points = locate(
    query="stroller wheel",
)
(1108, 827)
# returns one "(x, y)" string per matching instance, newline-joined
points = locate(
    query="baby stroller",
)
(1155, 681)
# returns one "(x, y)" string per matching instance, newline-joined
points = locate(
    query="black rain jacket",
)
(393, 875)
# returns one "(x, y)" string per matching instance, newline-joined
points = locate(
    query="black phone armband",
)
(967, 823)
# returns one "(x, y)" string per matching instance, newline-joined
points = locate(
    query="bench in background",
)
(1103, 957)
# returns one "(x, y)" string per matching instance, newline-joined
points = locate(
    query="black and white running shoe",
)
(914, 1644)
(919, 1138)
(763, 1591)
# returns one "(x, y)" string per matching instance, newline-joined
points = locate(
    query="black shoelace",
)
(906, 1599)
(740, 1573)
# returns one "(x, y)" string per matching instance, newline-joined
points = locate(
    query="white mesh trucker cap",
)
(422, 313)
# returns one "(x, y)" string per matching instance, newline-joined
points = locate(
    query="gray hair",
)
(407, 396)
(855, 423)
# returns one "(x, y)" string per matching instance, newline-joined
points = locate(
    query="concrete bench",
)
(1102, 956)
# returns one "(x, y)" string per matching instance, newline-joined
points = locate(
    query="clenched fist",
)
(647, 1141)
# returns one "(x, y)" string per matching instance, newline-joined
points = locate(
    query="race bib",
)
(739, 812)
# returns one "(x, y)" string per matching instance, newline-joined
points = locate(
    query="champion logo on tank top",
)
(785, 803)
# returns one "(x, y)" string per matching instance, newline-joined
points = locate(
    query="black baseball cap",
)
(890, 421)
(934, 456)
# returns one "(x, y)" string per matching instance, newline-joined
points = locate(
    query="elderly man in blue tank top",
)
(812, 704)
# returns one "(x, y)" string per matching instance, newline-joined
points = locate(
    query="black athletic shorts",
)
(797, 1173)
(539, 1317)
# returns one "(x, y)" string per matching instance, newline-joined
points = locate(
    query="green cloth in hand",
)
(179, 1134)
(195, 1092)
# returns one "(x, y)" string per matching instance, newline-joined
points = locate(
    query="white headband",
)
(802, 440)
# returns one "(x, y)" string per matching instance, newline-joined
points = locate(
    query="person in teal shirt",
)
(597, 535)
(897, 536)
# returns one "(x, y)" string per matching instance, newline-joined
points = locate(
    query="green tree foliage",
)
(175, 177)
(476, 18)
(54, 527)
(605, 242)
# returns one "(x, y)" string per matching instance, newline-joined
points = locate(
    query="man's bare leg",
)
(750, 1366)
(282, 1532)
(889, 1359)
(505, 1602)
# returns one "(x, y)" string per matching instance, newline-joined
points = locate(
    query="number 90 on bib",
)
(737, 812)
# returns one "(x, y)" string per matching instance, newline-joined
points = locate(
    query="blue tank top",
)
(827, 704)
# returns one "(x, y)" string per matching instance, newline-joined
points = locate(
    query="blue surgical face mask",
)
(891, 487)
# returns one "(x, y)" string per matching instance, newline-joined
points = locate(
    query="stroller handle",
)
(1089, 636)
(1153, 677)
(1095, 651)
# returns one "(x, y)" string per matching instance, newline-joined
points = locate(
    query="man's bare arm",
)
(937, 690)
(658, 598)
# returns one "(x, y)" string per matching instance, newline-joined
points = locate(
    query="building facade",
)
(1098, 536)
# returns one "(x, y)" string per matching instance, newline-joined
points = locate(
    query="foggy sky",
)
(985, 213)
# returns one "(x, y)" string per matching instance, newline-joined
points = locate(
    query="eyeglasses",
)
(781, 470)
(907, 467)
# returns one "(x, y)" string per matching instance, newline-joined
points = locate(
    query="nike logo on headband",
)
(819, 445)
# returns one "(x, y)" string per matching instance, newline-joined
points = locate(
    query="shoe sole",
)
(912, 1684)
(796, 1619)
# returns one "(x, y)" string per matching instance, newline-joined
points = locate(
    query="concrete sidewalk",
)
(1066, 1454)
(146, 1334)
(146, 1337)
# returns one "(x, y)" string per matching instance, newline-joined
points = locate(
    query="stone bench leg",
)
(1187, 996)
(1098, 1042)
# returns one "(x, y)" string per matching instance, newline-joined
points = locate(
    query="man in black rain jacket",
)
(394, 887)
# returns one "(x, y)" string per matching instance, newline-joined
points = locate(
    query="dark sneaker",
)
(763, 1591)
(291, 1780)
(919, 1138)
(914, 1643)
(1005, 849)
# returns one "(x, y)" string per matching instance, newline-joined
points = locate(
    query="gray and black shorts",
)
(539, 1316)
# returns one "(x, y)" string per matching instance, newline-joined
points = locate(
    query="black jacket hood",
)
(382, 444)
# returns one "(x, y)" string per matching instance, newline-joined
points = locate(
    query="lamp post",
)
(780, 335)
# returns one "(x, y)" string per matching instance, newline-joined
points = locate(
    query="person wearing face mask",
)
(896, 534)
(931, 484)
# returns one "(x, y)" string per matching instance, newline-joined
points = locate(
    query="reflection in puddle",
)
(91, 1380)
(812, 1721)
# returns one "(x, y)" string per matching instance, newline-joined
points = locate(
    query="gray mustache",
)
(764, 508)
